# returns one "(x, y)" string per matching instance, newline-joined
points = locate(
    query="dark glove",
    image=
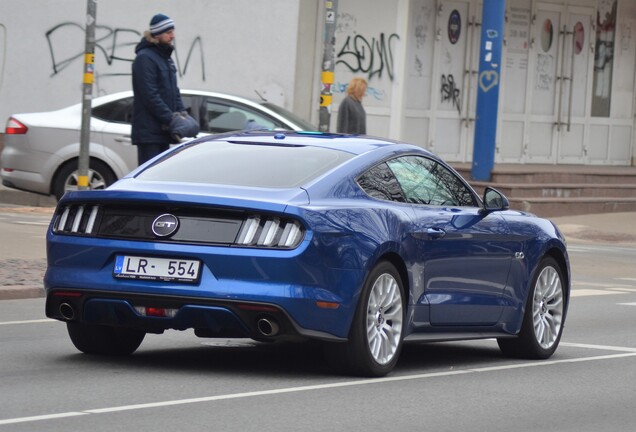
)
(182, 125)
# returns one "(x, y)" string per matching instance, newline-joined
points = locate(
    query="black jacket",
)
(157, 96)
(352, 118)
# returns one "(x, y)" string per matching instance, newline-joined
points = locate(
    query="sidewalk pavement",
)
(616, 228)
(25, 275)
(17, 197)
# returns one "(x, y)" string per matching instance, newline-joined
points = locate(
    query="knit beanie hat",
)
(160, 23)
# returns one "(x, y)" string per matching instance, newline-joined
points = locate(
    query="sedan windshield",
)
(305, 125)
(245, 164)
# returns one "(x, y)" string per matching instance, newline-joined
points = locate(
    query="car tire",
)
(100, 176)
(104, 340)
(543, 317)
(377, 331)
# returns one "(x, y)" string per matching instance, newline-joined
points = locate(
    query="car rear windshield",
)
(241, 164)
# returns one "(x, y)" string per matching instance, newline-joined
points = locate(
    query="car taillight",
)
(14, 127)
(270, 232)
(76, 219)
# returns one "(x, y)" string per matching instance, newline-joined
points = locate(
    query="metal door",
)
(561, 73)
(576, 80)
(453, 104)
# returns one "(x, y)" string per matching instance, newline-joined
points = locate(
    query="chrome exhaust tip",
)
(267, 327)
(67, 311)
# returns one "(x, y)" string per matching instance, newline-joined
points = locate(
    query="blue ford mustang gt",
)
(358, 242)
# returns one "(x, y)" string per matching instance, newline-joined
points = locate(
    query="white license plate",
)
(152, 268)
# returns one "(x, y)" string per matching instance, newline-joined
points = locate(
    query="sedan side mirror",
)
(495, 200)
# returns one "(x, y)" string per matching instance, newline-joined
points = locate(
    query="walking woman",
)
(352, 118)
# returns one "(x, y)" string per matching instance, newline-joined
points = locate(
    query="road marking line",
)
(31, 223)
(624, 289)
(42, 417)
(598, 284)
(631, 353)
(27, 321)
(627, 304)
(583, 292)
(599, 347)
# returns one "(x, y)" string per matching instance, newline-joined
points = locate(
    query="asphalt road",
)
(179, 382)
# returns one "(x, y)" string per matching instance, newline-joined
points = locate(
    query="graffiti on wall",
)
(450, 91)
(363, 54)
(421, 30)
(544, 74)
(116, 45)
(372, 57)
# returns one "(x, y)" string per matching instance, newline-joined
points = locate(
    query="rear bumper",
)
(208, 318)
(26, 181)
(25, 169)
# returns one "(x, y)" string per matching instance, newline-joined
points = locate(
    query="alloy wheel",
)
(547, 307)
(384, 319)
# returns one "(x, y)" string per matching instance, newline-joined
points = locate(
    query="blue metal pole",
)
(491, 43)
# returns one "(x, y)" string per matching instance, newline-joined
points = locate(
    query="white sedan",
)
(41, 149)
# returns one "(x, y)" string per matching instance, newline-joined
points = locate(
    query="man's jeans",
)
(146, 151)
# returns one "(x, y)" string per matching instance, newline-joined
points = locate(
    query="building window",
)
(547, 34)
(579, 38)
(604, 60)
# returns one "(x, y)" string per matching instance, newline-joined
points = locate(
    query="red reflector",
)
(327, 305)
(258, 308)
(14, 127)
(155, 312)
(67, 294)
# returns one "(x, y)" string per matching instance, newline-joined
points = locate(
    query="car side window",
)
(187, 103)
(118, 111)
(379, 182)
(219, 117)
(425, 181)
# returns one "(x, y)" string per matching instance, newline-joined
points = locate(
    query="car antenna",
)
(260, 95)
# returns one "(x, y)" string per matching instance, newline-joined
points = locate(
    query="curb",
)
(19, 292)
(17, 197)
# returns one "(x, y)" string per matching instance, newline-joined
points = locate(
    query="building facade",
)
(567, 76)
(566, 83)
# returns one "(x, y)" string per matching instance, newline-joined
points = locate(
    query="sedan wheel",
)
(375, 340)
(543, 319)
(99, 177)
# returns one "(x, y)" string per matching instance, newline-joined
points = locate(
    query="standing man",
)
(157, 97)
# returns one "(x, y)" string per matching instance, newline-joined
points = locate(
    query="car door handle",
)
(429, 234)
(124, 139)
(435, 233)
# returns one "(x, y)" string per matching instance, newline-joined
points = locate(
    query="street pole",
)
(491, 44)
(328, 63)
(87, 96)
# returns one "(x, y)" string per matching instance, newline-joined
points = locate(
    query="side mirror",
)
(494, 200)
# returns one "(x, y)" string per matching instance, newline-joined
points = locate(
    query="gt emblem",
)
(165, 225)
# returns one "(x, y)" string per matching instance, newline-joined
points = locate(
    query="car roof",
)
(129, 93)
(66, 116)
